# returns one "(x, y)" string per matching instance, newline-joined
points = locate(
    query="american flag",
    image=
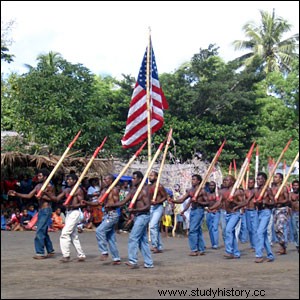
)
(136, 125)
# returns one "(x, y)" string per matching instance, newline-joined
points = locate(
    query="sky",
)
(110, 37)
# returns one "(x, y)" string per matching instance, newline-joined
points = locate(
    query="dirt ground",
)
(25, 278)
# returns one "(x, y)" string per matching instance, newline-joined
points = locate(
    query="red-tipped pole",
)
(234, 168)
(57, 166)
(169, 137)
(268, 181)
(242, 172)
(69, 198)
(230, 168)
(209, 170)
(137, 153)
(146, 175)
(286, 177)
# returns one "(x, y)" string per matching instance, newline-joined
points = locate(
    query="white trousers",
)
(69, 234)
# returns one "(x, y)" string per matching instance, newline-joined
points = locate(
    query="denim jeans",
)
(264, 216)
(223, 223)
(196, 239)
(252, 224)
(241, 230)
(212, 222)
(138, 239)
(231, 244)
(156, 213)
(295, 222)
(105, 234)
(42, 238)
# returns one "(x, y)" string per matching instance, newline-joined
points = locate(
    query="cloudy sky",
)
(110, 37)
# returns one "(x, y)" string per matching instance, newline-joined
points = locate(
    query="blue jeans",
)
(243, 232)
(42, 238)
(212, 222)
(252, 224)
(196, 239)
(295, 222)
(105, 234)
(156, 213)
(138, 239)
(264, 216)
(231, 244)
(223, 223)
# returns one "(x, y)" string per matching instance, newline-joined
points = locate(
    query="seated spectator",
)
(15, 221)
(31, 210)
(86, 222)
(58, 219)
(25, 184)
(25, 219)
(5, 219)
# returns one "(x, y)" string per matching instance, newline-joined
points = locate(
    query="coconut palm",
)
(51, 59)
(265, 42)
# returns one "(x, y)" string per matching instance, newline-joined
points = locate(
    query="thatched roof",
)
(15, 160)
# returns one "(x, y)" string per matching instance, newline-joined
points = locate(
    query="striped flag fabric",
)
(136, 125)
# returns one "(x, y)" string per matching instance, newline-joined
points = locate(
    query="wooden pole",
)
(148, 95)
(45, 184)
(268, 181)
(242, 172)
(137, 153)
(209, 170)
(146, 175)
(69, 198)
(286, 177)
(162, 164)
(234, 168)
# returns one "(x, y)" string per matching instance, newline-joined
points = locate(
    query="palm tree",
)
(51, 59)
(265, 42)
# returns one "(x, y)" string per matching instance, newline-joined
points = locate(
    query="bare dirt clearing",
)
(25, 278)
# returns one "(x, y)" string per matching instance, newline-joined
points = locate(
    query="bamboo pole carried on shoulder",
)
(242, 172)
(286, 177)
(162, 164)
(45, 184)
(146, 175)
(102, 198)
(268, 181)
(209, 170)
(69, 198)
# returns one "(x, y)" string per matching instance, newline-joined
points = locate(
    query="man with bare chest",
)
(156, 212)
(213, 217)
(195, 235)
(294, 200)
(42, 238)
(69, 233)
(105, 232)
(232, 206)
(281, 214)
(263, 207)
(138, 238)
(251, 213)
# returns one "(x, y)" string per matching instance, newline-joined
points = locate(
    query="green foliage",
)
(209, 101)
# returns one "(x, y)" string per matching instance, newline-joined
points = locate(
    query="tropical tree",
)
(265, 40)
(6, 41)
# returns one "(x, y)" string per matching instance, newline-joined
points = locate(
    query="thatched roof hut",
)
(13, 161)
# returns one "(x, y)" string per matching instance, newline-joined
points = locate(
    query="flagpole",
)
(148, 81)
